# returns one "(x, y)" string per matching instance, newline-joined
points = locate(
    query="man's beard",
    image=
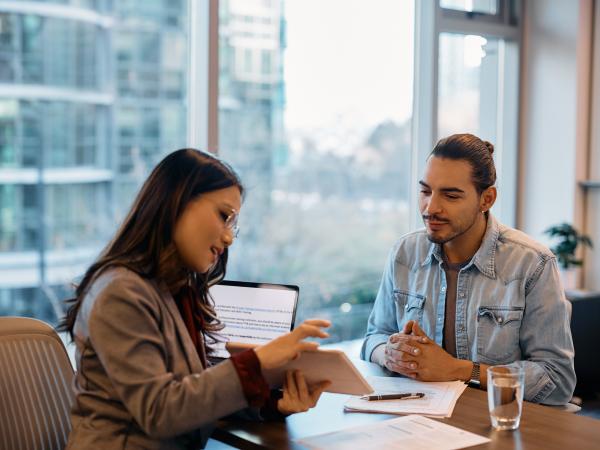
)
(454, 233)
(440, 241)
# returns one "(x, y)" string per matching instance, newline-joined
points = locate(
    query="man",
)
(467, 292)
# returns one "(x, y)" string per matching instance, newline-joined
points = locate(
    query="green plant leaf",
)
(568, 240)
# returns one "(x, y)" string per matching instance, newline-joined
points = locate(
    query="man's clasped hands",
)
(413, 354)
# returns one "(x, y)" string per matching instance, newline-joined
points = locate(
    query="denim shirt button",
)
(500, 320)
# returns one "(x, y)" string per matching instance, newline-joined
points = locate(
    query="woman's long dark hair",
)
(144, 242)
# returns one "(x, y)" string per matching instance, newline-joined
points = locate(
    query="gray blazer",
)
(139, 381)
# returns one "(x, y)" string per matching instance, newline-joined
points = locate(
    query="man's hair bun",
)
(477, 152)
(489, 146)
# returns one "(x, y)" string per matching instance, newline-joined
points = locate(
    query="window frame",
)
(203, 77)
(506, 25)
(504, 20)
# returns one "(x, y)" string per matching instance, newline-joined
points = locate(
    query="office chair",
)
(35, 386)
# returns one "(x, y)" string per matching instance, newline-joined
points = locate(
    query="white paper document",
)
(439, 400)
(413, 432)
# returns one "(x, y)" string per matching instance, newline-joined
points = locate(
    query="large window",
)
(317, 118)
(327, 109)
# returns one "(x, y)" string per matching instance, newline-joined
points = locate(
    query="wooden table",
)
(541, 427)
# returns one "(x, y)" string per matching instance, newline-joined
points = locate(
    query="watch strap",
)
(475, 380)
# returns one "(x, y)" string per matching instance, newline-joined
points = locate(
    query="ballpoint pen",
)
(406, 396)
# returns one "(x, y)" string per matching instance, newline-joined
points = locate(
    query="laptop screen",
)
(253, 313)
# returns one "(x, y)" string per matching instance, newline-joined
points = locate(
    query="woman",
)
(142, 321)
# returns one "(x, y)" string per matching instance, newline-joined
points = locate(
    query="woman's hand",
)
(289, 346)
(297, 396)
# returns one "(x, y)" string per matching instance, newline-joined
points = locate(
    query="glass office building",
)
(150, 74)
(92, 94)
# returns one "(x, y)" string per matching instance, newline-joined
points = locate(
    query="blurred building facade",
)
(252, 98)
(92, 94)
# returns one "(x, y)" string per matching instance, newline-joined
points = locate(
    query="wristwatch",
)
(475, 380)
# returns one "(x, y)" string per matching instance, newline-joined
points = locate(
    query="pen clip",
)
(411, 397)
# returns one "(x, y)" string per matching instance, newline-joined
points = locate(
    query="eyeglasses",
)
(231, 223)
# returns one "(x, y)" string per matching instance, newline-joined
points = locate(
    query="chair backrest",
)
(586, 333)
(35, 386)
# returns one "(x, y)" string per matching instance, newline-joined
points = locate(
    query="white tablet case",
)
(322, 365)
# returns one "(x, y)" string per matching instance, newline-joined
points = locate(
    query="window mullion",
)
(424, 125)
(203, 75)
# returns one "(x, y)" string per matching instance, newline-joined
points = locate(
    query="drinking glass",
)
(505, 395)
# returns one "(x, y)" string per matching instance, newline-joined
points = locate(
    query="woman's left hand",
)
(297, 396)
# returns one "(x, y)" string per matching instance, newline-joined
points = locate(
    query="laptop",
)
(253, 313)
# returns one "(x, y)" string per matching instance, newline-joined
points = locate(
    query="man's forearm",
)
(464, 369)
(483, 375)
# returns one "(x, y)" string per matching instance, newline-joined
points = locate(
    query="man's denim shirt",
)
(510, 306)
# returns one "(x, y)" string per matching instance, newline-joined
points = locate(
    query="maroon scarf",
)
(187, 303)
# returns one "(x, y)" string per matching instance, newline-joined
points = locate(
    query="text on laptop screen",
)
(253, 313)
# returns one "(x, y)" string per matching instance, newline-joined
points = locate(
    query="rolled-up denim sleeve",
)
(382, 321)
(546, 342)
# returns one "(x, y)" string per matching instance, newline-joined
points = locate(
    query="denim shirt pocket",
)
(409, 306)
(498, 333)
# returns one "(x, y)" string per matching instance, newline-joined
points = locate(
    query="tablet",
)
(319, 365)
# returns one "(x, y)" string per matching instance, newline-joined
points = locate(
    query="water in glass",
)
(505, 400)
